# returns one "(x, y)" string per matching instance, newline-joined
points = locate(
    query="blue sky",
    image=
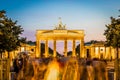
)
(89, 15)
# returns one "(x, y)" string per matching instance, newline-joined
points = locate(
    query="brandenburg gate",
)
(59, 33)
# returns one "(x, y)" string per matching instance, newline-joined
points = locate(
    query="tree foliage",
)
(112, 33)
(9, 33)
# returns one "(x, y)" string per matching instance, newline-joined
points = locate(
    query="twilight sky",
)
(89, 15)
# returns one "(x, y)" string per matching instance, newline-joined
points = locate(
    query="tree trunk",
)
(8, 54)
(117, 65)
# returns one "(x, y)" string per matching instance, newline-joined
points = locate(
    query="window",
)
(32, 50)
(101, 49)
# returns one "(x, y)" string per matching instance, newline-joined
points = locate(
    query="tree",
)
(9, 34)
(112, 34)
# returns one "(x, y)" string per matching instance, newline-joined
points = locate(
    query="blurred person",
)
(16, 67)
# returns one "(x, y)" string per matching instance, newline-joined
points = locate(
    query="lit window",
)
(22, 48)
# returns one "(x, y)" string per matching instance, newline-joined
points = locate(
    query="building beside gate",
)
(97, 49)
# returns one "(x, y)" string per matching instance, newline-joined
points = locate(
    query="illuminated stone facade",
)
(59, 33)
(24, 48)
(98, 50)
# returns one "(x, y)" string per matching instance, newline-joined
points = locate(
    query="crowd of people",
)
(88, 68)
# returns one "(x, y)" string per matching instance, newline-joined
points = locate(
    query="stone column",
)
(85, 50)
(105, 53)
(109, 52)
(38, 48)
(73, 47)
(92, 52)
(95, 51)
(46, 48)
(65, 48)
(82, 48)
(54, 53)
(99, 54)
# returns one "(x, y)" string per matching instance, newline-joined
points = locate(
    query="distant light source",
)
(96, 50)
(22, 49)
